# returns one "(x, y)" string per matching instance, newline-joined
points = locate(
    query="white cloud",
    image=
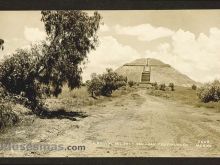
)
(144, 32)
(33, 34)
(197, 57)
(109, 54)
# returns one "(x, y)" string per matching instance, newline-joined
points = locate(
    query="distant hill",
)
(159, 72)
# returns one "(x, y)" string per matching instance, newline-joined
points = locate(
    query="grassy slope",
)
(184, 95)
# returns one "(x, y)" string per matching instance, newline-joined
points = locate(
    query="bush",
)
(155, 85)
(7, 116)
(94, 86)
(18, 74)
(209, 92)
(105, 83)
(171, 85)
(162, 87)
(194, 87)
(131, 83)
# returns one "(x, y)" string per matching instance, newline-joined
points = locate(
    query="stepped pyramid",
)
(149, 70)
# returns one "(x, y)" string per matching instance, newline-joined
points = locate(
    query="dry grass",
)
(78, 98)
(184, 95)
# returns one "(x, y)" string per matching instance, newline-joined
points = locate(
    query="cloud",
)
(33, 34)
(197, 57)
(109, 54)
(144, 32)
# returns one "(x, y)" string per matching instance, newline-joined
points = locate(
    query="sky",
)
(188, 40)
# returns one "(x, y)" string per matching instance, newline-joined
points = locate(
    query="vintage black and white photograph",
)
(110, 83)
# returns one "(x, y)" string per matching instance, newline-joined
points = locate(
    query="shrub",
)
(7, 116)
(162, 87)
(105, 83)
(194, 87)
(94, 86)
(155, 85)
(171, 85)
(131, 83)
(17, 75)
(209, 92)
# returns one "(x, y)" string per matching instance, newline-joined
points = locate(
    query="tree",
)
(71, 36)
(105, 83)
(18, 76)
(43, 70)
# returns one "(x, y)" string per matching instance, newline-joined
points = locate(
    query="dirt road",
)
(136, 124)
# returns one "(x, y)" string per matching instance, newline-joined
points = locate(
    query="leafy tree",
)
(18, 76)
(43, 70)
(105, 83)
(71, 36)
(112, 81)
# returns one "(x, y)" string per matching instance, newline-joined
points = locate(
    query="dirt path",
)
(132, 125)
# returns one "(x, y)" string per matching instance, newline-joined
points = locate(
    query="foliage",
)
(18, 74)
(43, 70)
(131, 83)
(209, 92)
(155, 85)
(194, 87)
(2, 44)
(162, 87)
(95, 86)
(105, 83)
(7, 116)
(72, 35)
(171, 85)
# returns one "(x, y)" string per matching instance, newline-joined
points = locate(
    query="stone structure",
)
(149, 70)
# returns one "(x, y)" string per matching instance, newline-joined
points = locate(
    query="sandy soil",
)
(136, 124)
